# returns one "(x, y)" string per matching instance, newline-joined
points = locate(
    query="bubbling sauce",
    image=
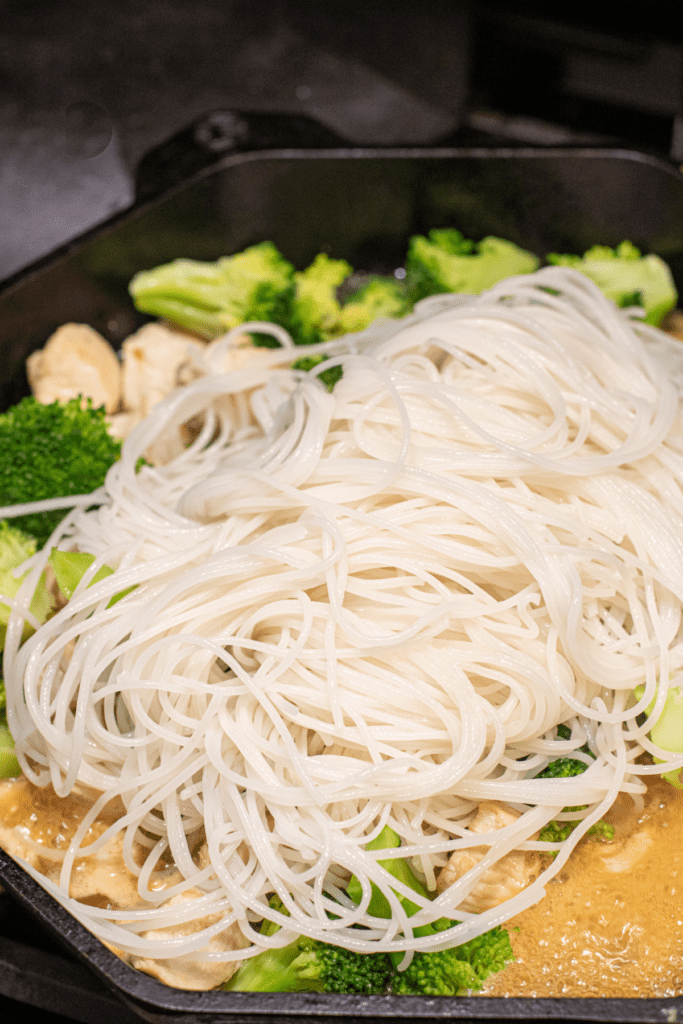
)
(611, 923)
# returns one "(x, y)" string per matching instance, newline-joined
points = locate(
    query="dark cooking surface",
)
(86, 88)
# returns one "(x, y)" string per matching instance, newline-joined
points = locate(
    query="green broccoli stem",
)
(398, 868)
(402, 872)
(70, 567)
(9, 766)
(272, 970)
(667, 731)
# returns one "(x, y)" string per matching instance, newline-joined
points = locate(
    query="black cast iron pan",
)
(228, 181)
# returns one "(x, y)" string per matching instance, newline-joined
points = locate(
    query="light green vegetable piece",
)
(9, 766)
(445, 261)
(15, 547)
(398, 868)
(70, 567)
(212, 298)
(317, 313)
(626, 277)
(453, 971)
(380, 297)
(667, 731)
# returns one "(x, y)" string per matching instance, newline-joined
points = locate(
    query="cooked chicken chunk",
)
(241, 354)
(152, 361)
(76, 361)
(36, 825)
(156, 360)
(673, 323)
(506, 878)
(182, 971)
(625, 853)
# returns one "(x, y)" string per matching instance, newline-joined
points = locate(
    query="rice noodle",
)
(370, 607)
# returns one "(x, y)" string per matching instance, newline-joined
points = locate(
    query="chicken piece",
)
(37, 825)
(624, 855)
(152, 361)
(182, 971)
(504, 879)
(76, 361)
(673, 323)
(120, 424)
(242, 354)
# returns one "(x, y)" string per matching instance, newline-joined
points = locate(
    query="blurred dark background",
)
(87, 89)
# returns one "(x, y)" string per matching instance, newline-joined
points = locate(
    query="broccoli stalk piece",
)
(15, 548)
(453, 971)
(445, 261)
(9, 766)
(306, 965)
(50, 451)
(626, 277)
(399, 869)
(70, 567)
(667, 731)
(211, 298)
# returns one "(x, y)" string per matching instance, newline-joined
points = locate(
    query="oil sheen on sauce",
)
(611, 923)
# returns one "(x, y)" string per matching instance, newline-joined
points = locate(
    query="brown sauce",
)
(611, 923)
(34, 822)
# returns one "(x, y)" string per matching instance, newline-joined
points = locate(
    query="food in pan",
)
(360, 665)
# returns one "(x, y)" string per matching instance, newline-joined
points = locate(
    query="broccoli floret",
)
(456, 971)
(667, 731)
(626, 277)
(316, 312)
(447, 262)
(49, 451)
(307, 965)
(15, 548)
(451, 971)
(562, 768)
(328, 377)
(379, 297)
(211, 298)
(558, 831)
(565, 768)
(9, 766)
(319, 316)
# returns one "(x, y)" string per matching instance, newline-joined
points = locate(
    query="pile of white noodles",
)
(370, 607)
